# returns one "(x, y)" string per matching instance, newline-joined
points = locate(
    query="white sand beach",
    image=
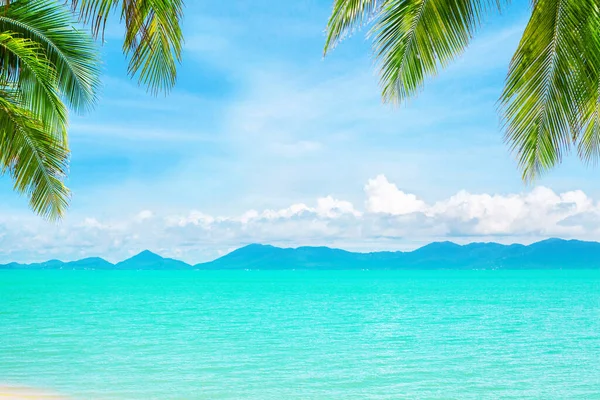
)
(23, 392)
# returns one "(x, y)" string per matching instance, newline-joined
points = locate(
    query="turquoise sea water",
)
(302, 335)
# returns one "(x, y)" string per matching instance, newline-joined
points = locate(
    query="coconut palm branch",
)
(33, 155)
(46, 66)
(153, 37)
(551, 100)
(72, 53)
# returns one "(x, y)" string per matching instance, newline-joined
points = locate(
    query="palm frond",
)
(588, 137)
(153, 38)
(71, 52)
(32, 156)
(346, 16)
(414, 38)
(549, 77)
(23, 61)
(95, 13)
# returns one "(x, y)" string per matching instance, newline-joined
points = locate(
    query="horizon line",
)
(295, 248)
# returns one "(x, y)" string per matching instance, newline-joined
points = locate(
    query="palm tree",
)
(47, 67)
(551, 99)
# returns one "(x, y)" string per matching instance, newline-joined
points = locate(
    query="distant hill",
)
(146, 260)
(547, 254)
(151, 261)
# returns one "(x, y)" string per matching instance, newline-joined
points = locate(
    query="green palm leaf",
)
(23, 62)
(588, 140)
(549, 78)
(71, 52)
(412, 39)
(348, 15)
(33, 157)
(153, 38)
(44, 62)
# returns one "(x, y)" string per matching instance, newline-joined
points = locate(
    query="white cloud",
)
(91, 223)
(539, 211)
(392, 219)
(144, 214)
(327, 207)
(385, 197)
(194, 217)
(293, 210)
(330, 207)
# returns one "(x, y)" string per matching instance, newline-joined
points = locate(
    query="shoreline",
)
(26, 392)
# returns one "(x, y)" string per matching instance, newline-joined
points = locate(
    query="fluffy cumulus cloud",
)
(390, 218)
(385, 197)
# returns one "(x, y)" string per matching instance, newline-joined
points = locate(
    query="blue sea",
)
(301, 334)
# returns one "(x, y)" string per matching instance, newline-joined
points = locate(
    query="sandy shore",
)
(22, 392)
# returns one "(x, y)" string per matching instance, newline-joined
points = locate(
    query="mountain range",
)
(547, 254)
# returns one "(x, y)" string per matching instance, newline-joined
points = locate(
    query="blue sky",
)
(263, 140)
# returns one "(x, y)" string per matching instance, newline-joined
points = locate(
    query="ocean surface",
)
(302, 335)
